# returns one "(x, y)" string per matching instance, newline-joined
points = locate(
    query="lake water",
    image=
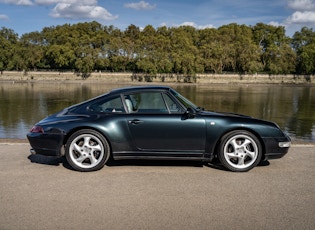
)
(291, 106)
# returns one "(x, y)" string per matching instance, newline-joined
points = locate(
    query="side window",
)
(113, 105)
(172, 105)
(146, 103)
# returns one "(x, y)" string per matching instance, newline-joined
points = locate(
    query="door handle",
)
(135, 122)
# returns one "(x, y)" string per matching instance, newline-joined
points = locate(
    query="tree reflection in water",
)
(292, 107)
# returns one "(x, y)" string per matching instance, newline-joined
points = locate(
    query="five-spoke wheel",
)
(87, 150)
(240, 151)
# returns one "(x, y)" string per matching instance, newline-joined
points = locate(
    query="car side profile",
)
(154, 122)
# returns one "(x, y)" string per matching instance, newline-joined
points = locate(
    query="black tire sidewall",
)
(104, 143)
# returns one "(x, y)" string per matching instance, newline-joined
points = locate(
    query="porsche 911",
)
(155, 123)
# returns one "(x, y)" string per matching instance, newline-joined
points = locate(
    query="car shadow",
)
(45, 160)
(49, 160)
(216, 164)
(57, 161)
(264, 163)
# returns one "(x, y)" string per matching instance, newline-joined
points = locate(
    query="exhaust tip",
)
(32, 151)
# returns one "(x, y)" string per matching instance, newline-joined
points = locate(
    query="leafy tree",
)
(117, 51)
(163, 51)
(304, 45)
(32, 50)
(146, 61)
(240, 52)
(275, 48)
(185, 50)
(62, 56)
(208, 39)
(307, 59)
(8, 42)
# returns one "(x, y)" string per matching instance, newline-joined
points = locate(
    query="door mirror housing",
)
(190, 113)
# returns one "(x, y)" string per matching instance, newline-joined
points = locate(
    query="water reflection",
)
(292, 107)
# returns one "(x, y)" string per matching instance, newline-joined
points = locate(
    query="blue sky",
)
(24, 16)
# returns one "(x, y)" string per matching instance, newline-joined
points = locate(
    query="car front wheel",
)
(87, 150)
(240, 151)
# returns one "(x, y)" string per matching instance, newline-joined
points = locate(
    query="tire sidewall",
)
(105, 146)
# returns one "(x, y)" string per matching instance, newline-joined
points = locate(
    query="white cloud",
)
(302, 5)
(298, 17)
(273, 23)
(18, 2)
(304, 12)
(142, 5)
(55, 2)
(75, 11)
(196, 26)
(4, 17)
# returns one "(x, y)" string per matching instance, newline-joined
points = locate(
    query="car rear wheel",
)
(240, 151)
(87, 150)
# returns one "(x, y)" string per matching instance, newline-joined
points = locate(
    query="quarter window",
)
(113, 105)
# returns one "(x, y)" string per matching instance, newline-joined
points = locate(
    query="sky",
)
(25, 16)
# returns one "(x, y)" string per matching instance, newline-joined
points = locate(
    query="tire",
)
(240, 151)
(87, 150)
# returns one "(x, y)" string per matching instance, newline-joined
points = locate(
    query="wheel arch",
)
(218, 142)
(76, 129)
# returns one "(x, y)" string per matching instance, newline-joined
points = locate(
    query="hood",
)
(224, 114)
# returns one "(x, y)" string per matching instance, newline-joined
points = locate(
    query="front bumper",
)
(276, 148)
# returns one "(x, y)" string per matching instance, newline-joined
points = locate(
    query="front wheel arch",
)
(217, 144)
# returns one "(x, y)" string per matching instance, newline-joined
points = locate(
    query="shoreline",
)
(130, 78)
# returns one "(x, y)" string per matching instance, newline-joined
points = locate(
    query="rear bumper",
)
(45, 144)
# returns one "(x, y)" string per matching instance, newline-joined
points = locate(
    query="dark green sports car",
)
(154, 122)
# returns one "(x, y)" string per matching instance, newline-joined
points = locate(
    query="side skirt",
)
(161, 156)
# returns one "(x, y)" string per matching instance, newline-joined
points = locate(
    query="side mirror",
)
(190, 113)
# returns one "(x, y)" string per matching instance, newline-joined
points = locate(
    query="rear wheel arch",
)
(69, 134)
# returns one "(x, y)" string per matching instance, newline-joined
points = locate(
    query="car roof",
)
(138, 88)
(118, 91)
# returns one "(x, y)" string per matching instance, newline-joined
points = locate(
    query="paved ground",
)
(43, 193)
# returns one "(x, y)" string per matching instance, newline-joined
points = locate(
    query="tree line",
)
(91, 46)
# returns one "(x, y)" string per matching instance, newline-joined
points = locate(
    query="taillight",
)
(37, 129)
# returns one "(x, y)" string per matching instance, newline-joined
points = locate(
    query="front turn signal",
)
(284, 144)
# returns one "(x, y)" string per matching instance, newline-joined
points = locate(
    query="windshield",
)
(184, 101)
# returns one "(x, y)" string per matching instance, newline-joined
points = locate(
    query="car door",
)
(157, 123)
